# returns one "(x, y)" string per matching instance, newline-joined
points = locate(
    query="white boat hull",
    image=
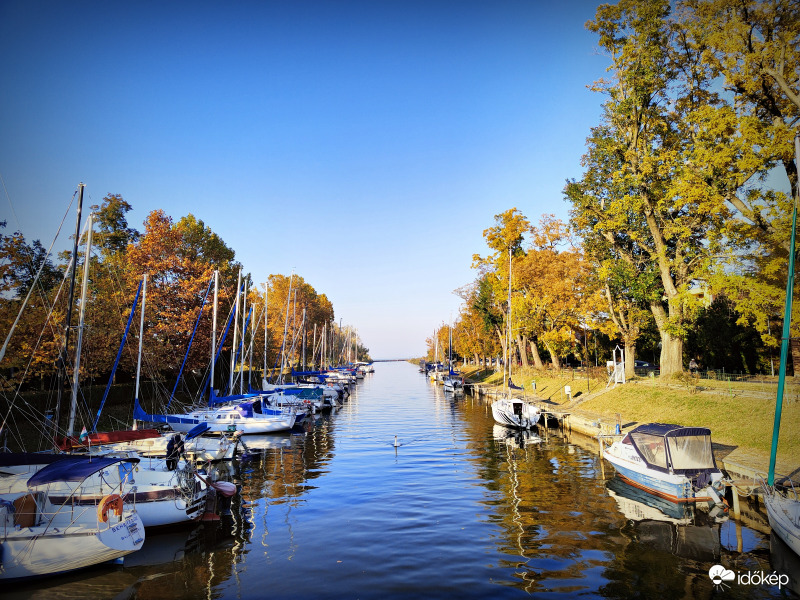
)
(671, 486)
(48, 549)
(515, 413)
(784, 518)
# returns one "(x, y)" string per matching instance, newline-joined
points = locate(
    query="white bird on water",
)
(396, 443)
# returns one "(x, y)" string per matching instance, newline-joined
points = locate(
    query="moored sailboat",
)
(47, 527)
(508, 410)
(783, 502)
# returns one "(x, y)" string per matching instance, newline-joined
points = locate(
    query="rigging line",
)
(11, 205)
(47, 323)
(36, 279)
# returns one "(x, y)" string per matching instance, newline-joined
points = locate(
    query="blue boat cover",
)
(73, 470)
(197, 430)
(667, 429)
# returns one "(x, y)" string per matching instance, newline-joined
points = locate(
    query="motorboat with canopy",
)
(670, 461)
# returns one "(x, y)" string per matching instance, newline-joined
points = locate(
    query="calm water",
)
(461, 509)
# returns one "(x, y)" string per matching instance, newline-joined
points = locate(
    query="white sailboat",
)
(782, 502)
(46, 527)
(507, 410)
(164, 496)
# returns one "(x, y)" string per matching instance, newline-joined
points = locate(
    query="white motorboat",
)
(514, 412)
(46, 528)
(670, 461)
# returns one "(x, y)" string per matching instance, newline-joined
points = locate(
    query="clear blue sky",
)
(364, 144)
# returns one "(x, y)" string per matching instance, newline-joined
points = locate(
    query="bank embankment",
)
(740, 415)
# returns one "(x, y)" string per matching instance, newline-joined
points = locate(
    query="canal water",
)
(407, 493)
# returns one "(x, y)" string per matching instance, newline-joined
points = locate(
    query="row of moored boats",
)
(93, 501)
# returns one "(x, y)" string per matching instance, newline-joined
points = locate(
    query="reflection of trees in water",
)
(547, 500)
(560, 530)
(280, 468)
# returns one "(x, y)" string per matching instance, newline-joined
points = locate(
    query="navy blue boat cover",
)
(665, 429)
(60, 467)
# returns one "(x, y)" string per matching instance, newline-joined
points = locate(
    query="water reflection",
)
(461, 508)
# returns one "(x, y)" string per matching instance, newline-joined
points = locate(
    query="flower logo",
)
(719, 575)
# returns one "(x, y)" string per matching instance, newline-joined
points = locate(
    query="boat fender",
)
(108, 503)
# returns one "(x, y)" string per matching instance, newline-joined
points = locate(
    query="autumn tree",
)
(505, 238)
(660, 128)
(179, 275)
(26, 271)
(752, 48)
(556, 295)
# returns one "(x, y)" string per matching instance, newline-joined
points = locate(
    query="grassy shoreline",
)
(739, 414)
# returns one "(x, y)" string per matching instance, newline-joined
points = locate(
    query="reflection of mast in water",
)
(516, 516)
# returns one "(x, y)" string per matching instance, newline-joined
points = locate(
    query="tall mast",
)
(266, 292)
(304, 339)
(214, 330)
(508, 328)
(233, 348)
(77, 369)
(244, 324)
(62, 359)
(141, 337)
(787, 319)
(285, 328)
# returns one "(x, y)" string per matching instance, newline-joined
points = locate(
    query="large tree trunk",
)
(523, 353)
(501, 336)
(630, 356)
(537, 360)
(671, 346)
(553, 356)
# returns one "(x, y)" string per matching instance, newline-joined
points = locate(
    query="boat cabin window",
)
(691, 452)
(652, 448)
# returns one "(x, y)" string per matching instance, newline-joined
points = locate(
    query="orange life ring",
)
(108, 503)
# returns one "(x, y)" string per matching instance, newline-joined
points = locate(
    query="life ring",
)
(108, 503)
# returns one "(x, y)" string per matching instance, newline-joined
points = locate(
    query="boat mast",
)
(62, 359)
(507, 357)
(141, 337)
(787, 318)
(264, 375)
(304, 338)
(235, 330)
(244, 326)
(214, 330)
(285, 327)
(78, 343)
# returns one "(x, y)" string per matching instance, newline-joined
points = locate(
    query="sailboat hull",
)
(515, 413)
(784, 518)
(49, 550)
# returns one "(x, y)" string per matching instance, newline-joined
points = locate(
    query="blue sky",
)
(366, 145)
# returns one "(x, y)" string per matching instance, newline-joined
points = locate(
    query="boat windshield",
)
(652, 448)
(691, 452)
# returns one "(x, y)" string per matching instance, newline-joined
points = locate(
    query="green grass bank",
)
(739, 414)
